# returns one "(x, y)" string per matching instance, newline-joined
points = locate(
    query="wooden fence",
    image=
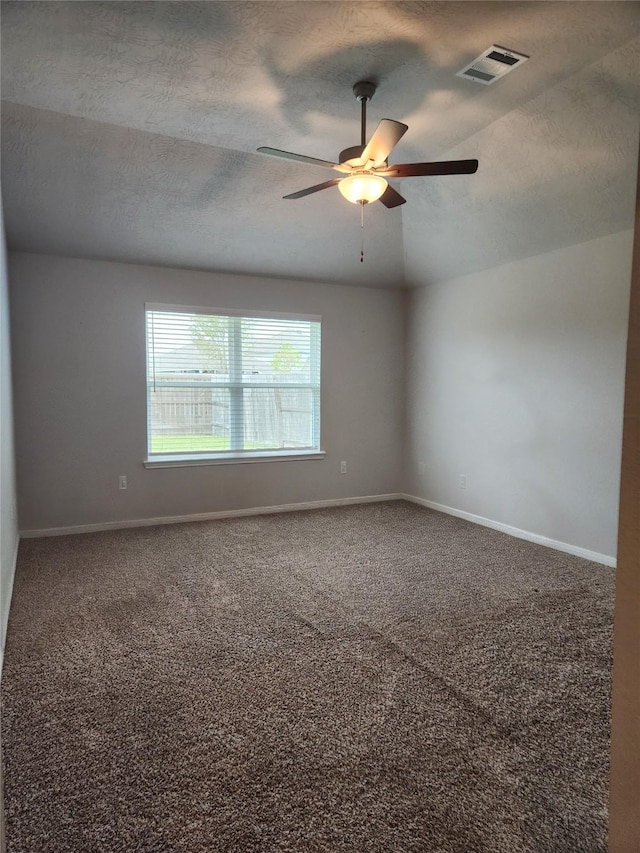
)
(272, 417)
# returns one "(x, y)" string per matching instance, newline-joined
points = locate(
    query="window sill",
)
(177, 461)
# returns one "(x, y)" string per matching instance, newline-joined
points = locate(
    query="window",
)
(224, 386)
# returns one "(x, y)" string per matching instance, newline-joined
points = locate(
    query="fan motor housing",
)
(352, 156)
(352, 153)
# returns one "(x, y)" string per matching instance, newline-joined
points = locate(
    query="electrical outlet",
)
(343, 467)
(122, 481)
(12, 510)
(462, 481)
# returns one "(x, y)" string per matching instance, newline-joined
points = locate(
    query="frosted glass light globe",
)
(362, 188)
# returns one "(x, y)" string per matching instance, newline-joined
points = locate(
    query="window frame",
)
(196, 458)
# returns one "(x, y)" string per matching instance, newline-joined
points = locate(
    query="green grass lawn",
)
(176, 443)
(186, 443)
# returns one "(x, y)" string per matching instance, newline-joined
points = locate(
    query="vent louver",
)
(491, 65)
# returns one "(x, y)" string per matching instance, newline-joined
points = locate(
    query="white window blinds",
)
(221, 384)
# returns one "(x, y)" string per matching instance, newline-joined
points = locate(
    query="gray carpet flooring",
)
(368, 678)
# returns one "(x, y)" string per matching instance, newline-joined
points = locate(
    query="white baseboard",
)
(594, 556)
(12, 575)
(205, 516)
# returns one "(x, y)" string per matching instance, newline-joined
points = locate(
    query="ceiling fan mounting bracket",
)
(364, 90)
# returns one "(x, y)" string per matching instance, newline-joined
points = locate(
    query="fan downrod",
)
(364, 91)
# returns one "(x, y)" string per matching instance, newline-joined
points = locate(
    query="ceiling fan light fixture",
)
(363, 188)
(367, 163)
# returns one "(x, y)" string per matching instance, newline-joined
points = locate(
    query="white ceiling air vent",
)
(494, 63)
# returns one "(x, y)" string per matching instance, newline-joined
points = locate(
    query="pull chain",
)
(361, 232)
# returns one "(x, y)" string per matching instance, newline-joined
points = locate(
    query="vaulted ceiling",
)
(130, 132)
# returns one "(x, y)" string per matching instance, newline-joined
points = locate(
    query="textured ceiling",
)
(130, 129)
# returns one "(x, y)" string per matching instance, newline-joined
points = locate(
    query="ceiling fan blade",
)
(446, 167)
(385, 137)
(391, 198)
(302, 158)
(315, 189)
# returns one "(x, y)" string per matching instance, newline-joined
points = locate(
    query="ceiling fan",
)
(365, 167)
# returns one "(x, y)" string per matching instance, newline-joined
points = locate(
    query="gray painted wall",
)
(515, 378)
(8, 522)
(79, 353)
